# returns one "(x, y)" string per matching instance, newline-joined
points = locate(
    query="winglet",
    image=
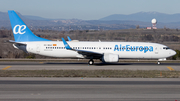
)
(69, 38)
(66, 44)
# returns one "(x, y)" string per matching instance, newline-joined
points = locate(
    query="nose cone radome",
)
(173, 52)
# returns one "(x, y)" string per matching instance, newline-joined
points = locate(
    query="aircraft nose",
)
(173, 52)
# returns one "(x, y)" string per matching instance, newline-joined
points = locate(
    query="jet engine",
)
(109, 57)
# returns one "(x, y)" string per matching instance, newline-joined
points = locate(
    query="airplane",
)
(108, 52)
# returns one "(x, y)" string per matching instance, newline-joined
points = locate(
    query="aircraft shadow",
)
(95, 64)
(106, 64)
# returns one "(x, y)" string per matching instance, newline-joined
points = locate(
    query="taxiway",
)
(89, 89)
(85, 66)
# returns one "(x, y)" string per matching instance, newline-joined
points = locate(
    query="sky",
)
(87, 9)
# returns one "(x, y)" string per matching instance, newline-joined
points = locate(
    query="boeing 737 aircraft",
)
(105, 51)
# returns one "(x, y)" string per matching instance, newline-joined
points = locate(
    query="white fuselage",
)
(122, 49)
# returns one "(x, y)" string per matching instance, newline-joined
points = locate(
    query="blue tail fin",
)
(21, 32)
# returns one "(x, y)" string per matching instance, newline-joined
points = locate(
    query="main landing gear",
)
(91, 62)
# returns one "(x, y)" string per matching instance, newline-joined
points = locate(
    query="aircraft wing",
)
(90, 54)
(87, 54)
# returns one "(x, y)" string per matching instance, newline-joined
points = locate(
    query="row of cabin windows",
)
(78, 48)
(55, 47)
(98, 48)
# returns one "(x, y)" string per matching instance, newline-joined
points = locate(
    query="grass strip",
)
(91, 73)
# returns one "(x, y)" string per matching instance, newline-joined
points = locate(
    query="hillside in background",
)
(145, 17)
(112, 22)
(4, 16)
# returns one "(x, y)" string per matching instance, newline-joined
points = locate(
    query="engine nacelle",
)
(108, 57)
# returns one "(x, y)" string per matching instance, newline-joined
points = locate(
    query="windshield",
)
(166, 48)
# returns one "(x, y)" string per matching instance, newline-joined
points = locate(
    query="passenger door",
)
(156, 50)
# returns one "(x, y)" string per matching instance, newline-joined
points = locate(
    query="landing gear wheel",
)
(158, 63)
(91, 62)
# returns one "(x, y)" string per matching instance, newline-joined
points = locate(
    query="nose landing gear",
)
(91, 62)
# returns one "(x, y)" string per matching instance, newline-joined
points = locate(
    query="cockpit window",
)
(166, 48)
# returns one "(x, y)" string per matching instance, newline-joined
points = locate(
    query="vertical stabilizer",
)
(20, 30)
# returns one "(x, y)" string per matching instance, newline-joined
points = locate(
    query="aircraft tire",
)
(91, 62)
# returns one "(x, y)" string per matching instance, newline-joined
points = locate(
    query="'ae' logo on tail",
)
(19, 29)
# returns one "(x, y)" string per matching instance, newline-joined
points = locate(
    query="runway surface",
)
(85, 66)
(89, 89)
